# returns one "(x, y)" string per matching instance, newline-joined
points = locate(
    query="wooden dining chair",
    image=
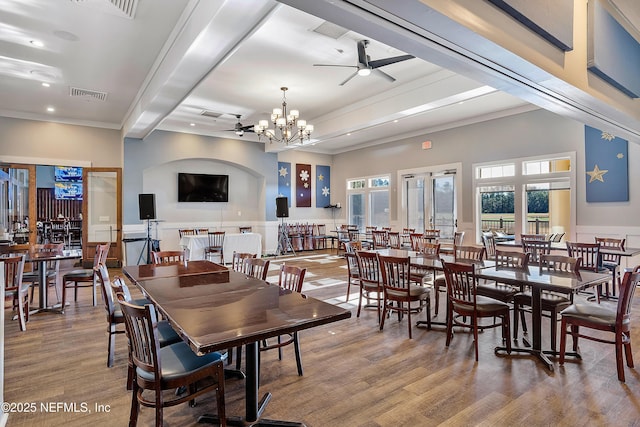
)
(85, 277)
(215, 246)
(244, 229)
(489, 244)
(171, 367)
(428, 250)
(291, 278)
(256, 267)
(602, 318)
(551, 302)
(535, 247)
(500, 291)
(611, 261)
(168, 257)
(319, 236)
(393, 239)
(186, 232)
(370, 282)
(166, 334)
(464, 303)
(380, 239)
(237, 261)
(15, 288)
(353, 272)
(202, 231)
(590, 255)
(533, 237)
(400, 293)
(458, 238)
(433, 234)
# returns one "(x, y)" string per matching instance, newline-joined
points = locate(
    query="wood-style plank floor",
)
(354, 374)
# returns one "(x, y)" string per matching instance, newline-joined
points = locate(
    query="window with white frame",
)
(528, 195)
(368, 202)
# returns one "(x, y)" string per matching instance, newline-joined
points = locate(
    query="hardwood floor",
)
(354, 375)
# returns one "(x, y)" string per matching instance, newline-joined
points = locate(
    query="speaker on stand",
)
(147, 207)
(282, 212)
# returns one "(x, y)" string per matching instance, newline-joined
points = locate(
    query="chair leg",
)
(408, 315)
(627, 349)
(135, 405)
(554, 329)
(360, 303)
(574, 334)
(619, 362)
(449, 325)
(516, 313)
(111, 346)
(296, 346)
(563, 340)
(384, 314)
(474, 322)
(348, 287)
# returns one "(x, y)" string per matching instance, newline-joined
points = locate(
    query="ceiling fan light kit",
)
(288, 127)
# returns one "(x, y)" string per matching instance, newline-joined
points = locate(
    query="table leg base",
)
(239, 421)
(537, 353)
(234, 374)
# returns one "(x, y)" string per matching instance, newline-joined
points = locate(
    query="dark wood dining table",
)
(215, 309)
(538, 281)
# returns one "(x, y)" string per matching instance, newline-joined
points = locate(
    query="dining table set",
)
(214, 308)
(533, 277)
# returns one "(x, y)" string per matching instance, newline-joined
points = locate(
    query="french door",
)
(102, 213)
(431, 202)
(18, 205)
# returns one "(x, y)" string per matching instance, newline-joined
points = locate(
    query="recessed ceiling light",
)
(349, 134)
(395, 121)
(192, 124)
(37, 43)
(45, 84)
(51, 109)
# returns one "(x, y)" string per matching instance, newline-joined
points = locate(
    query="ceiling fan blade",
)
(383, 74)
(335, 65)
(386, 61)
(348, 78)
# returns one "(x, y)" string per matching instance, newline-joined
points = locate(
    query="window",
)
(368, 202)
(531, 195)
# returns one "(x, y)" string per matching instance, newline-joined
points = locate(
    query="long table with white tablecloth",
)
(233, 242)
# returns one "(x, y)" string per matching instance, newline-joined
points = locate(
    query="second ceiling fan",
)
(366, 66)
(239, 129)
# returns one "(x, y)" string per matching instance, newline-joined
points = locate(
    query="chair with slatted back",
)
(256, 267)
(166, 334)
(370, 282)
(461, 253)
(319, 236)
(611, 261)
(489, 244)
(380, 239)
(85, 277)
(15, 288)
(590, 255)
(244, 229)
(406, 237)
(500, 291)
(186, 232)
(169, 257)
(605, 319)
(353, 273)
(291, 278)
(215, 246)
(551, 302)
(202, 231)
(237, 261)
(432, 234)
(393, 239)
(458, 238)
(425, 249)
(171, 367)
(464, 303)
(536, 247)
(400, 293)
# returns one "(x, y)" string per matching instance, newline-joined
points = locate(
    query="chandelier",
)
(288, 127)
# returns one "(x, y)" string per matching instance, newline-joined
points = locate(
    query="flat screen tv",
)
(67, 173)
(68, 191)
(198, 187)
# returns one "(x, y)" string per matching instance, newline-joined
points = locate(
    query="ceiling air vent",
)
(330, 30)
(128, 7)
(77, 92)
(211, 114)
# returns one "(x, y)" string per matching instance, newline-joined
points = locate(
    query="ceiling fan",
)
(366, 66)
(238, 128)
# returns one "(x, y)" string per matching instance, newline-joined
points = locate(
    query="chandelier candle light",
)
(288, 126)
